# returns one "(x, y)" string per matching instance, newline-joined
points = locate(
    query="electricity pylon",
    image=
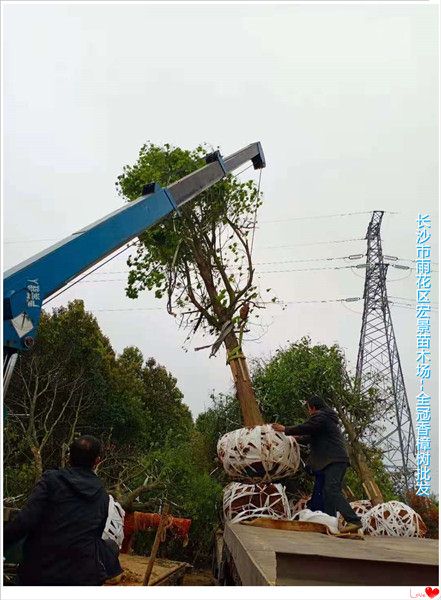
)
(379, 366)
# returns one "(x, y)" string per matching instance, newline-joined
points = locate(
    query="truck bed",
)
(165, 572)
(274, 557)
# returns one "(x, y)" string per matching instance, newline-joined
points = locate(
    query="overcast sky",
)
(343, 98)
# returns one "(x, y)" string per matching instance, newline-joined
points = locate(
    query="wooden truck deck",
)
(274, 557)
(165, 572)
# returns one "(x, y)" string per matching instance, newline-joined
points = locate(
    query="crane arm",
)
(32, 281)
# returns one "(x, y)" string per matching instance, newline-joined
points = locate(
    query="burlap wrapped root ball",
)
(361, 507)
(258, 454)
(393, 519)
(243, 501)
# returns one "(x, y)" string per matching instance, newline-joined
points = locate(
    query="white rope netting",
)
(258, 454)
(361, 507)
(244, 501)
(296, 505)
(394, 519)
(114, 527)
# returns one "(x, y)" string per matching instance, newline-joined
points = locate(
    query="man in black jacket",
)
(328, 455)
(63, 522)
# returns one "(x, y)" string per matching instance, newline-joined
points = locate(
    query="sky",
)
(343, 99)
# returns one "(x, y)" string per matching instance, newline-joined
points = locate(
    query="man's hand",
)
(278, 427)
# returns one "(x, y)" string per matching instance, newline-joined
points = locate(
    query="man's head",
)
(85, 452)
(314, 403)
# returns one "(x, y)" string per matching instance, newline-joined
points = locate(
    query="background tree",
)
(222, 416)
(201, 260)
(171, 418)
(73, 383)
(191, 492)
(57, 383)
(302, 370)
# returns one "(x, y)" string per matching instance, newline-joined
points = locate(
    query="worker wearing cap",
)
(328, 455)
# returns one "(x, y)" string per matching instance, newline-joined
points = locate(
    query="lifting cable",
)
(87, 274)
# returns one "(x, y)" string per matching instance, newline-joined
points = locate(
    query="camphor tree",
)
(201, 259)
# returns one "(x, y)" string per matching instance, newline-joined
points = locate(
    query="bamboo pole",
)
(158, 539)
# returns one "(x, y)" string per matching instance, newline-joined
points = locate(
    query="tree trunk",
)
(250, 410)
(248, 404)
(359, 462)
(127, 501)
(38, 462)
(64, 450)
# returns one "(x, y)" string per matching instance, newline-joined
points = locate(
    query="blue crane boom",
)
(28, 284)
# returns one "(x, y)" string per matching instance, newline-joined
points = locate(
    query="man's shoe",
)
(351, 527)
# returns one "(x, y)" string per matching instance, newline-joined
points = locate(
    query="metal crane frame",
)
(28, 284)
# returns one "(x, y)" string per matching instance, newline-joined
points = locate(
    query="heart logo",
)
(432, 592)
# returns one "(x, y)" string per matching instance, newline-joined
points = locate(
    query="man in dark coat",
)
(328, 455)
(63, 522)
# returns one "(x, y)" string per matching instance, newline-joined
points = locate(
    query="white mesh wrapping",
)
(297, 505)
(114, 528)
(258, 454)
(393, 518)
(361, 507)
(244, 501)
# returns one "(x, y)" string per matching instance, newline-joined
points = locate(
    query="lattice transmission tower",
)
(379, 366)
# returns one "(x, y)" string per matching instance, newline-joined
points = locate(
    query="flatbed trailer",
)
(165, 572)
(251, 555)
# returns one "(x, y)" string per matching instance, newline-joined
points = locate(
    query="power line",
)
(366, 212)
(87, 274)
(303, 260)
(318, 301)
(407, 299)
(347, 214)
(413, 260)
(343, 301)
(275, 262)
(316, 243)
(30, 241)
(304, 270)
(410, 306)
(308, 270)
(257, 272)
(279, 302)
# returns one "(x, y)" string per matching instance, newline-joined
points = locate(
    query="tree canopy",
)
(72, 382)
(201, 259)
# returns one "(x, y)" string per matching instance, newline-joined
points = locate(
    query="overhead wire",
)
(64, 289)
(274, 262)
(304, 270)
(328, 216)
(316, 243)
(344, 301)
(257, 272)
(310, 269)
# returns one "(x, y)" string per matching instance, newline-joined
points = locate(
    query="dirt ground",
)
(134, 568)
(197, 577)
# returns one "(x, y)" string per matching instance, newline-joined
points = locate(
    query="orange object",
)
(139, 521)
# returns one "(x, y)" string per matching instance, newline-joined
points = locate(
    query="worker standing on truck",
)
(63, 522)
(328, 456)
